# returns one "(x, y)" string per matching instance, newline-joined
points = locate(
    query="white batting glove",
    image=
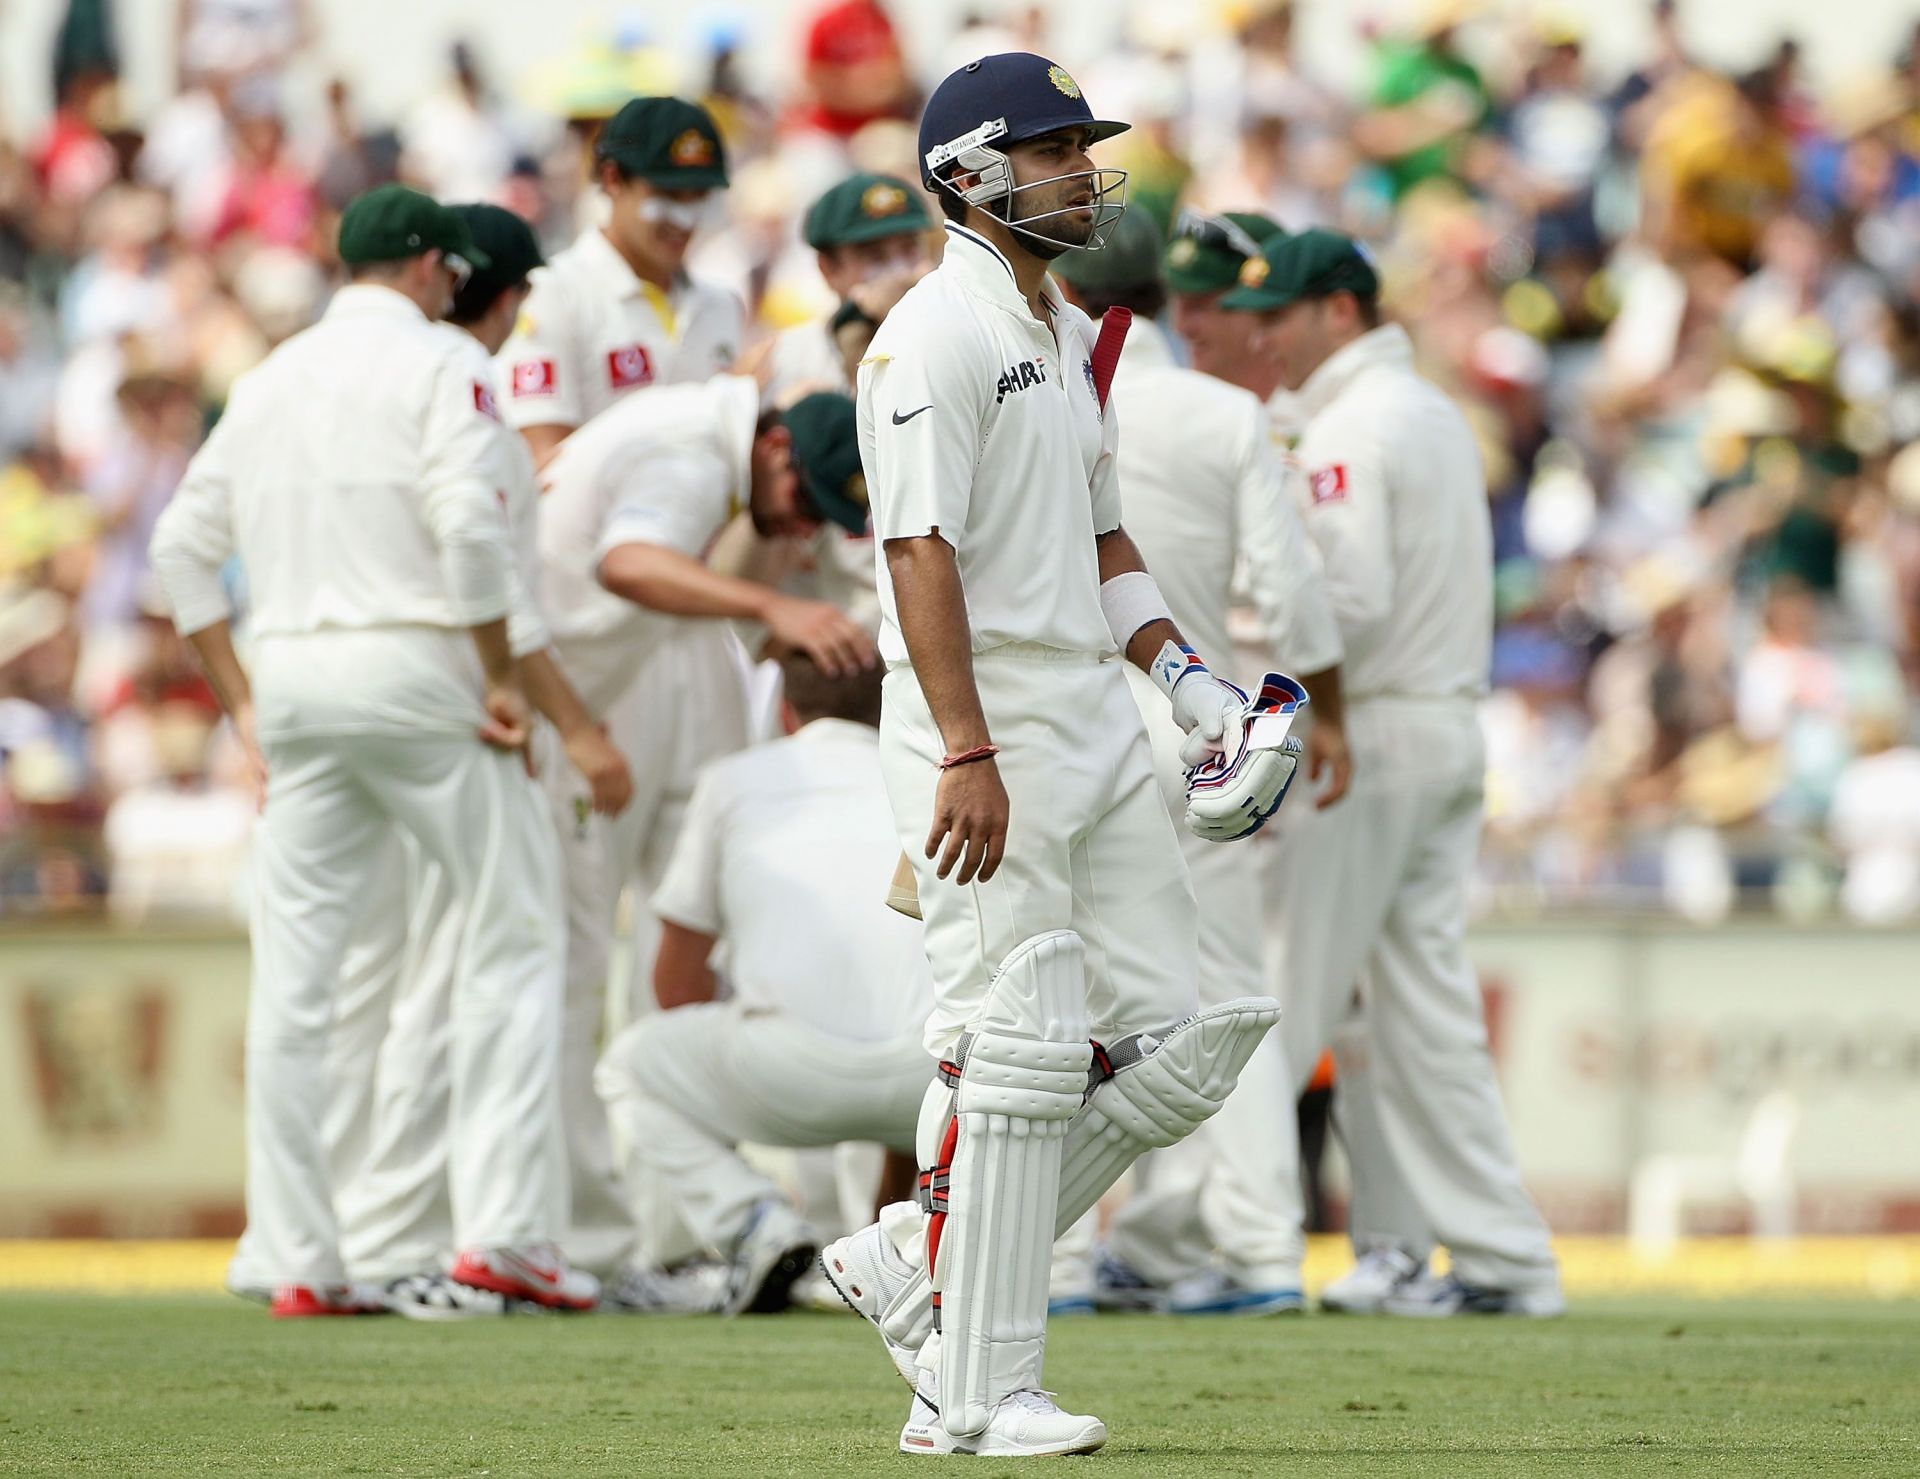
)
(1203, 705)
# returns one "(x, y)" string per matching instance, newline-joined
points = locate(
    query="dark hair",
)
(476, 298)
(853, 696)
(1146, 299)
(952, 206)
(1367, 305)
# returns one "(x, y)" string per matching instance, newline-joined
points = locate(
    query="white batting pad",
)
(1018, 1077)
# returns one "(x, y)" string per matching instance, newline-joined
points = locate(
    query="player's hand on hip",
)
(1204, 707)
(837, 644)
(509, 720)
(604, 769)
(1329, 758)
(970, 810)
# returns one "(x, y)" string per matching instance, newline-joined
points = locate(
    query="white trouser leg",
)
(397, 1217)
(688, 1086)
(475, 813)
(1383, 1212)
(317, 843)
(1237, 1187)
(1438, 1101)
(593, 850)
(371, 974)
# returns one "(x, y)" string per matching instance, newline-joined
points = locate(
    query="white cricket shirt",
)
(979, 422)
(804, 358)
(519, 493)
(671, 467)
(1206, 486)
(786, 850)
(1396, 502)
(353, 476)
(593, 330)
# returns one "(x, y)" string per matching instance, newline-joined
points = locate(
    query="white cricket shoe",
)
(1364, 1288)
(1213, 1291)
(1438, 1298)
(774, 1250)
(868, 1273)
(437, 1297)
(536, 1272)
(1026, 1425)
(643, 1289)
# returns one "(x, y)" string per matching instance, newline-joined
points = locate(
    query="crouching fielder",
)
(1056, 903)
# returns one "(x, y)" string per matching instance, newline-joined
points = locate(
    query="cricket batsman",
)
(1057, 905)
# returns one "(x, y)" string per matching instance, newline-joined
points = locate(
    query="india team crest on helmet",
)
(882, 200)
(1059, 78)
(692, 149)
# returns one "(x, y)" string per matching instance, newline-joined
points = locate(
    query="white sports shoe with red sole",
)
(538, 1273)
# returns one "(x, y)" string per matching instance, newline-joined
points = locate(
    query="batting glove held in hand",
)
(1230, 794)
(1202, 705)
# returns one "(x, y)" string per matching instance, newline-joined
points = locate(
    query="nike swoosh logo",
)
(899, 420)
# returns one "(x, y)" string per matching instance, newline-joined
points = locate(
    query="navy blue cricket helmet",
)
(982, 109)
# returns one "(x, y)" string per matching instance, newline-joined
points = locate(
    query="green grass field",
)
(202, 1385)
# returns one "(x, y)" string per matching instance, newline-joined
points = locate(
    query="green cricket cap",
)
(390, 223)
(826, 449)
(511, 250)
(1204, 255)
(1308, 264)
(668, 142)
(1130, 258)
(866, 207)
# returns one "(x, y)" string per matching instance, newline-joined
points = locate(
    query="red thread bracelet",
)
(967, 757)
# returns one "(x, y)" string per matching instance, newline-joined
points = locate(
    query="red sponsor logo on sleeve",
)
(534, 377)
(483, 400)
(629, 367)
(1328, 484)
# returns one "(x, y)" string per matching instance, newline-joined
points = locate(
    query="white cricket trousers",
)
(1089, 845)
(331, 804)
(1231, 1190)
(1374, 890)
(686, 1087)
(687, 706)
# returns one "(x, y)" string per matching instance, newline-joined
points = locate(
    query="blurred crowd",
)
(1681, 306)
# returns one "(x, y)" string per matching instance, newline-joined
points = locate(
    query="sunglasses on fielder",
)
(1214, 231)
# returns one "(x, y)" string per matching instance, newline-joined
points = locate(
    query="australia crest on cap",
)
(1183, 251)
(691, 149)
(856, 489)
(1253, 272)
(882, 199)
(1059, 78)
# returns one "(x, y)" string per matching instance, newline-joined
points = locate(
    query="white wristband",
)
(1130, 601)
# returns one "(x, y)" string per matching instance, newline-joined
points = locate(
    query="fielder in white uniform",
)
(610, 317)
(350, 476)
(1206, 491)
(633, 501)
(1376, 889)
(393, 1206)
(870, 235)
(785, 855)
(1390, 1236)
(1056, 904)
